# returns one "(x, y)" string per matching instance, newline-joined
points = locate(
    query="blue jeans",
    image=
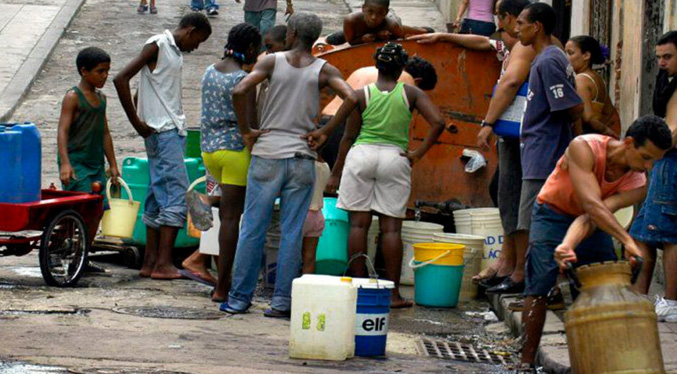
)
(292, 179)
(203, 4)
(262, 20)
(472, 26)
(548, 229)
(166, 198)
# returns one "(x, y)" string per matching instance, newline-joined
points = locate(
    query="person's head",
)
(666, 52)
(507, 12)
(646, 141)
(274, 39)
(93, 65)
(584, 51)
(304, 27)
(423, 72)
(536, 20)
(391, 60)
(375, 12)
(194, 29)
(244, 43)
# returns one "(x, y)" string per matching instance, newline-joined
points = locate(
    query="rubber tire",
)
(132, 257)
(44, 256)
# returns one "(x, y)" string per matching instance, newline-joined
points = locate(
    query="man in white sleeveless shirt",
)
(282, 162)
(159, 119)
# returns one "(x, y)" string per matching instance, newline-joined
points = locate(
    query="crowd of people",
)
(264, 137)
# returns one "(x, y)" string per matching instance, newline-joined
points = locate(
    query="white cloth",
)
(376, 177)
(159, 101)
(322, 174)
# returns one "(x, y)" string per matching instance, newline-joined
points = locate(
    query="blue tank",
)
(21, 156)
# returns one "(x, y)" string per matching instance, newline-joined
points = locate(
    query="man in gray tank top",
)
(282, 164)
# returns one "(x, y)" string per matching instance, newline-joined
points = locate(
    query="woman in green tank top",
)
(374, 162)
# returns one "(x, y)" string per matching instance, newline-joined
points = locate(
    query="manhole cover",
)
(461, 352)
(124, 371)
(168, 312)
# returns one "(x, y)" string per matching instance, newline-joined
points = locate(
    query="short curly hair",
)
(421, 68)
(89, 57)
(653, 128)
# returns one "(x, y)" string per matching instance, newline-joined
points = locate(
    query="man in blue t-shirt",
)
(553, 106)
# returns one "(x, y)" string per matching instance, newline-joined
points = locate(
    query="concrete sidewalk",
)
(29, 31)
(553, 353)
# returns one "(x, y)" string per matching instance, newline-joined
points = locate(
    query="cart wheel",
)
(132, 257)
(63, 249)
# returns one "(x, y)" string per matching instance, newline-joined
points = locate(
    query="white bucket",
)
(372, 238)
(209, 240)
(413, 233)
(485, 222)
(472, 257)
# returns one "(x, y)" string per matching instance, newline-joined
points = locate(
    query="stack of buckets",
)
(438, 270)
(331, 257)
(414, 232)
(484, 222)
(472, 258)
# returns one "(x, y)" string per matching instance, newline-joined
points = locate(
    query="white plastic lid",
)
(373, 283)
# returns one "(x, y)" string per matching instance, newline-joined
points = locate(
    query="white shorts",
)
(375, 177)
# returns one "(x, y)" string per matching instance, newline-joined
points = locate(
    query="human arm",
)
(462, 7)
(68, 109)
(331, 76)
(114, 172)
(148, 56)
(353, 127)
(470, 41)
(244, 100)
(584, 88)
(671, 118)
(290, 8)
(421, 102)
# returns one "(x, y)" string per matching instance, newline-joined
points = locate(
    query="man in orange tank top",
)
(573, 220)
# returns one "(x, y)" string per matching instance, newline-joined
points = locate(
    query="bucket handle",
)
(426, 263)
(202, 179)
(123, 184)
(370, 266)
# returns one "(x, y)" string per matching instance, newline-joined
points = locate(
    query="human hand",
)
(413, 156)
(426, 38)
(368, 38)
(315, 139)
(251, 137)
(632, 252)
(290, 9)
(564, 254)
(333, 183)
(67, 174)
(483, 138)
(384, 34)
(144, 130)
(114, 174)
(456, 25)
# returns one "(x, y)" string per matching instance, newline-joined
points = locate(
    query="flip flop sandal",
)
(142, 9)
(200, 213)
(196, 277)
(153, 10)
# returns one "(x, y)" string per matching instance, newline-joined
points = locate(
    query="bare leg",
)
(644, 280)
(357, 241)
(391, 241)
(309, 249)
(521, 245)
(232, 206)
(164, 268)
(196, 264)
(533, 317)
(670, 266)
(507, 266)
(150, 256)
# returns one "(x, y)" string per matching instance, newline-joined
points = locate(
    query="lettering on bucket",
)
(372, 324)
(493, 247)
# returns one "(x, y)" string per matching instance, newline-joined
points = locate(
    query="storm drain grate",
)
(461, 352)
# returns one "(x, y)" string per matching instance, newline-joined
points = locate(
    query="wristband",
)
(487, 124)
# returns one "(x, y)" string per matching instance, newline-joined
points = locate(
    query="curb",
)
(553, 354)
(22, 81)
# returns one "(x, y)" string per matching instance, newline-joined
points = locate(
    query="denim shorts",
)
(166, 198)
(656, 222)
(548, 229)
(472, 26)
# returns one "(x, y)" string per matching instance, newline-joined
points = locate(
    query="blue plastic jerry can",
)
(20, 162)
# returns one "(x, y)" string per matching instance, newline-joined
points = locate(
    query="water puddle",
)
(55, 310)
(169, 312)
(27, 271)
(23, 368)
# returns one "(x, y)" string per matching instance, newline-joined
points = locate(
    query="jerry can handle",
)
(636, 270)
(370, 267)
(572, 276)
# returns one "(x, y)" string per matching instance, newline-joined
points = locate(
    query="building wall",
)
(448, 8)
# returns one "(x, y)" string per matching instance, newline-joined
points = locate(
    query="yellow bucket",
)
(439, 253)
(192, 231)
(120, 219)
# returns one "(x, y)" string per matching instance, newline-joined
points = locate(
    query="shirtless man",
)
(573, 218)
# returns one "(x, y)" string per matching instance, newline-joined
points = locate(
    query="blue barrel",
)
(373, 314)
(331, 257)
(30, 161)
(10, 163)
(509, 125)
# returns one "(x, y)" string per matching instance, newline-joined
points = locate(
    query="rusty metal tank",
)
(610, 328)
(465, 83)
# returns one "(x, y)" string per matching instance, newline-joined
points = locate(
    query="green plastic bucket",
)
(436, 285)
(331, 257)
(193, 143)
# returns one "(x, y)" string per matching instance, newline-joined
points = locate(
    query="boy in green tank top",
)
(83, 138)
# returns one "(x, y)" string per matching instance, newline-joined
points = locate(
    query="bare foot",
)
(399, 303)
(201, 271)
(145, 272)
(485, 274)
(218, 298)
(166, 273)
